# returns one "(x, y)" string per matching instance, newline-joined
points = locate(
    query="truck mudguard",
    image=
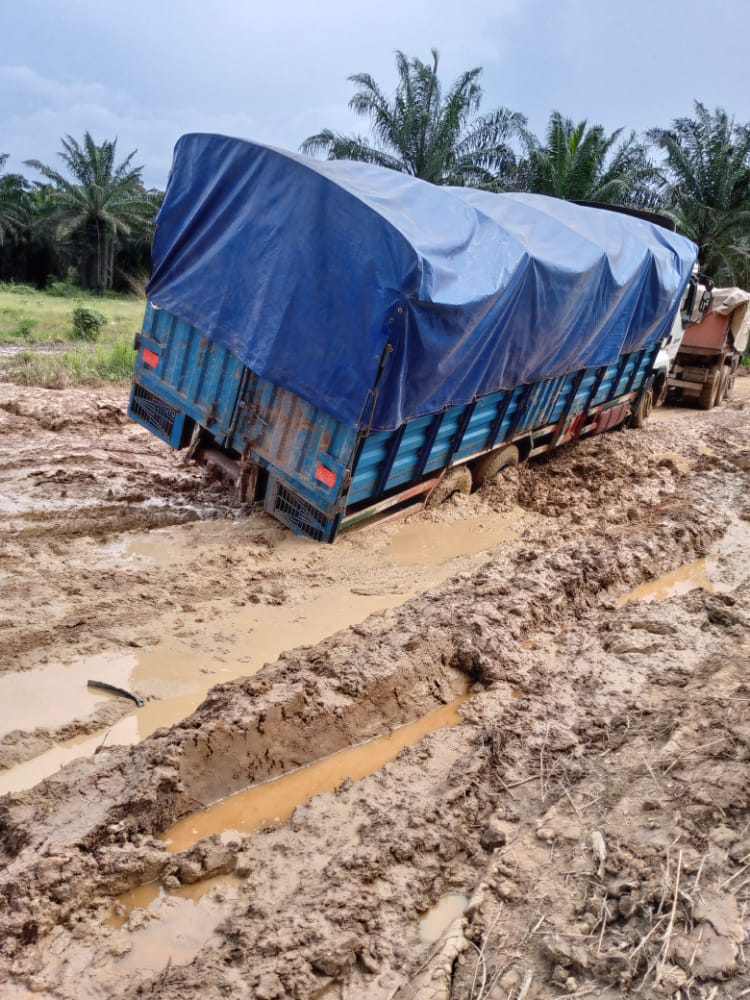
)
(380, 298)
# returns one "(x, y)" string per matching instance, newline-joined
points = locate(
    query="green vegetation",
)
(423, 133)
(110, 362)
(54, 352)
(51, 315)
(83, 231)
(697, 171)
(14, 206)
(579, 162)
(102, 203)
(87, 323)
(707, 188)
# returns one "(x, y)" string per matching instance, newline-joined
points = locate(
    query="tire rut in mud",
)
(93, 823)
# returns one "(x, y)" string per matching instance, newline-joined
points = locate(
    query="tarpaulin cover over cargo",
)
(307, 270)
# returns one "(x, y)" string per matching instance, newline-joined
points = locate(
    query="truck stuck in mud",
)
(339, 339)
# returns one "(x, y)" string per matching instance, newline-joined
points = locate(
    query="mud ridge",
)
(307, 705)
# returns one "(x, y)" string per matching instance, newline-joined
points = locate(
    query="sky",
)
(147, 71)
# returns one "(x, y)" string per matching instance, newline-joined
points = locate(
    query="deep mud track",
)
(547, 684)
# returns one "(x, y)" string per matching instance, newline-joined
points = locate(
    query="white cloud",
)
(277, 72)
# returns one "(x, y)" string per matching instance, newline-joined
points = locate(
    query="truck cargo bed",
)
(317, 471)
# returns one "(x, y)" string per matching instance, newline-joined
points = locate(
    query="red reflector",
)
(150, 359)
(325, 476)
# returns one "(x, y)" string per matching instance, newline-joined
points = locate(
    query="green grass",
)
(41, 319)
(105, 362)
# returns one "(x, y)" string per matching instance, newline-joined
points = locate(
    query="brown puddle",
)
(430, 544)
(440, 916)
(31, 772)
(223, 643)
(52, 695)
(151, 896)
(179, 925)
(720, 571)
(680, 581)
(273, 802)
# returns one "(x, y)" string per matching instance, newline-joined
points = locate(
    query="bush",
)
(87, 324)
(25, 327)
(60, 289)
(14, 289)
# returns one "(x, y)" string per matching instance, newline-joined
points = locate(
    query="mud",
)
(584, 830)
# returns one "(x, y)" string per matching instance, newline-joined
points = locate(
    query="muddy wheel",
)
(488, 466)
(454, 481)
(723, 386)
(710, 392)
(643, 408)
(731, 376)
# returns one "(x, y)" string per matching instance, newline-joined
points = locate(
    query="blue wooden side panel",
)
(491, 420)
(182, 377)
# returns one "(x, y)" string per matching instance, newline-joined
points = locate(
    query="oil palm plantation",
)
(14, 202)
(707, 188)
(579, 162)
(425, 132)
(101, 203)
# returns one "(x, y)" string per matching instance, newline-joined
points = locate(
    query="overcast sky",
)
(147, 71)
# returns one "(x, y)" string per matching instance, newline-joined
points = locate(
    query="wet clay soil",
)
(583, 830)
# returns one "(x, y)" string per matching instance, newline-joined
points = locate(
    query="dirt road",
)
(546, 684)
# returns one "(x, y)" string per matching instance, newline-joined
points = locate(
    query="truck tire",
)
(643, 407)
(724, 386)
(456, 480)
(732, 373)
(709, 392)
(488, 466)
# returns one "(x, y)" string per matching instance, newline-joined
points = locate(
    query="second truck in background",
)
(711, 349)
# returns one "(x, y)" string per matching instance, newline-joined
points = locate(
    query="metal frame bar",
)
(521, 410)
(596, 386)
(562, 422)
(458, 437)
(390, 458)
(429, 441)
(497, 422)
(634, 374)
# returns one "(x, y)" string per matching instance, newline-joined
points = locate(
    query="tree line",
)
(92, 221)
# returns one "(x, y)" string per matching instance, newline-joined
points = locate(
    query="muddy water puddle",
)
(151, 897)
(719, 572)
(179, 925)
(52, 695)
(431, 544)
(273, 802)
(692, 576)
(222, 642)
(439, 917)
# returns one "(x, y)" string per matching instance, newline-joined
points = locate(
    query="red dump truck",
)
(705, 366)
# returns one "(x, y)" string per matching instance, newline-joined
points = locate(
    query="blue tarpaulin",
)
(308, 270)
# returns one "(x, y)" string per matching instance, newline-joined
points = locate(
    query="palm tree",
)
(707, 177)
(103, 203)
(14, 202)
(423, 133)
(579, 162)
